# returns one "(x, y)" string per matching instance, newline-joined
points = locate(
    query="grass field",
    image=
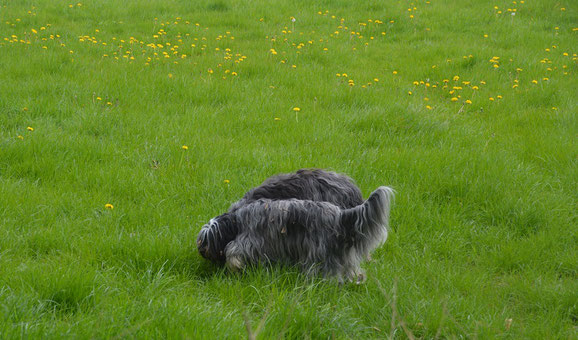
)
(125, 126)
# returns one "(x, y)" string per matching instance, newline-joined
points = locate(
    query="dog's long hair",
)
(320, 237)
(306, 184)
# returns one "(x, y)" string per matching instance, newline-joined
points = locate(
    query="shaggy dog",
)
(320, 237)
(306, 184)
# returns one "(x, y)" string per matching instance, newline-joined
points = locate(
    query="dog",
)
(319, 237)
(306, 184)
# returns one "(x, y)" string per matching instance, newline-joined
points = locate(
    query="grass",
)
(484, 242)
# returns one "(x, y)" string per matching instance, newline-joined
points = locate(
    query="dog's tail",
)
(370, 220)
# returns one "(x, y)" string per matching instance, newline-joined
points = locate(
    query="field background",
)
(170, 110)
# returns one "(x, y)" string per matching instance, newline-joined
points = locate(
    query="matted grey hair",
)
(319, 237)
(304, 184)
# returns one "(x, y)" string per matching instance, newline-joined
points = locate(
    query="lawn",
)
(127, 125)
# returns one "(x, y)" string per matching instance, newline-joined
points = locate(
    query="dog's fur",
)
(320, 237)
(306, 184)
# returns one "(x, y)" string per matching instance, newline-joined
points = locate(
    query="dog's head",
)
(215, 235)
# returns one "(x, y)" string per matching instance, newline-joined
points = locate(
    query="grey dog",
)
(304, 184)
(320, 237)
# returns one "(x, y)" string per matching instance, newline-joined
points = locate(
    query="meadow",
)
(125, 126)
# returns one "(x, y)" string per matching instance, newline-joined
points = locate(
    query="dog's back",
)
(306, 184)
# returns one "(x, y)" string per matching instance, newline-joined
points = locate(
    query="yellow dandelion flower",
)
(456, 78)
(20, 137)
(98, 98)
(227, 181)
(34, 31)
(24, 109)
(468, 101)
(277, 119)
(376, 79)
(29, 128)
(108, 103)
(492, 99)
(409, 92)
(499, 97)
(428, 107)
(184, 147)
(545, 79)
(534, 81)
(109, 206)
(475, 88)
(394, 72)
(454, 99)
(296, 109)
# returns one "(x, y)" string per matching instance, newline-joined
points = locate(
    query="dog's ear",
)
(214, 237)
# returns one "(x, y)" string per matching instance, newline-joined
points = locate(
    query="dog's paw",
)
(235, 263)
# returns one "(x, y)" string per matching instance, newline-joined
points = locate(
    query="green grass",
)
(485, 222)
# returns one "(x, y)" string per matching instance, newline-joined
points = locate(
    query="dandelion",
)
(98, 98)
(534, 81)
(29, 128)
(499, 97)
(184, 147)
(296, 109)
(227, 181)
(277, 119)
(475, 87)
(170, 75)
(468, 101)
(428, 107)
(456, 78)
(409, 92)
(394, 72)
(109, 206)
(24, 109)
(375, 80)
(108, 103)
(492, 99)
(454, 99)
(545, 79)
